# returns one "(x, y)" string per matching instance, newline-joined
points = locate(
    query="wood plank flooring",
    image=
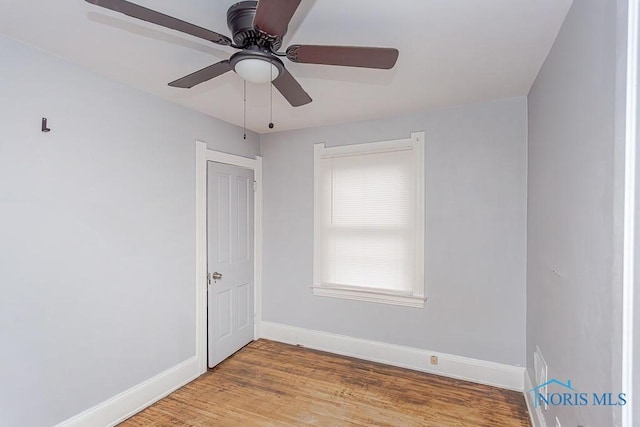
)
(273, 384)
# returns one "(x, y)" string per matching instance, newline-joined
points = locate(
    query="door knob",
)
(216, 276)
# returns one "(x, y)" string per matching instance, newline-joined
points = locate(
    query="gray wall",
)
(97, 246)
(573, 304)
(475, 234)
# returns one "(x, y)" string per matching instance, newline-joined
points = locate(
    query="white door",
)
(230, 252)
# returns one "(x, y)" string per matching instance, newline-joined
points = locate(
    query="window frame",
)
(417, 297)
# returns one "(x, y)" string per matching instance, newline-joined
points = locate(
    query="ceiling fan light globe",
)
(256, 70)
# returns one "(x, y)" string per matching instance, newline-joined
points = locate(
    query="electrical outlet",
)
(434, 360)
(558, 422)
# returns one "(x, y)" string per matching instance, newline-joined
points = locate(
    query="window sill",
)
(369, 296)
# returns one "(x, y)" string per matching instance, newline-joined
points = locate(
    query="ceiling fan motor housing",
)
(240, 22)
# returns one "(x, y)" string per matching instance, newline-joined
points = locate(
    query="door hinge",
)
(255, 186)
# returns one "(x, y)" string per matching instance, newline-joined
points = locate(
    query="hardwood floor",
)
(273, 384)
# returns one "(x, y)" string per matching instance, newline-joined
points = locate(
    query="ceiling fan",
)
(257, 28)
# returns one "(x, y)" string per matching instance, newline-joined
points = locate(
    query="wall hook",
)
(44, 125)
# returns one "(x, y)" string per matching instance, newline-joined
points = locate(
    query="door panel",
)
(230, 253)
(223, 221)
(224, 313)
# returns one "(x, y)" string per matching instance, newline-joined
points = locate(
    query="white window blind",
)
(368, 212)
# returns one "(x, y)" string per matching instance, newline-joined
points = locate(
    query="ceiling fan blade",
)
(291, 89)
(348, 56)
(203, 75)
(161, 19)
(273, 16)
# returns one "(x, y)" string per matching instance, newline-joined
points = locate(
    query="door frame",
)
(203, 156)
(630, 267)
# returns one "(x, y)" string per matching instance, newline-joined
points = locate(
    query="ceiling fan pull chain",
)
(271, 102)
(244, 115)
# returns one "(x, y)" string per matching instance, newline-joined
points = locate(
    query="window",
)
(369, 221)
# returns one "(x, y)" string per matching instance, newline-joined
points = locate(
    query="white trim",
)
(257, 241)
(231, 159)
(417, 297)
(122, 406)
(201, 254)
(629, 239)
(418, 142)
(535, 413)
(366, 148)
(204, 155)
(371, 147)
(368, 296)
(464, 368)
(317, 152)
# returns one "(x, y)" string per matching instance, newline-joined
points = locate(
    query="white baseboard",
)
(479, 371)
(122, 406)
(537, 419)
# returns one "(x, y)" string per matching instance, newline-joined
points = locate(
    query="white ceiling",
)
(452, 52)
